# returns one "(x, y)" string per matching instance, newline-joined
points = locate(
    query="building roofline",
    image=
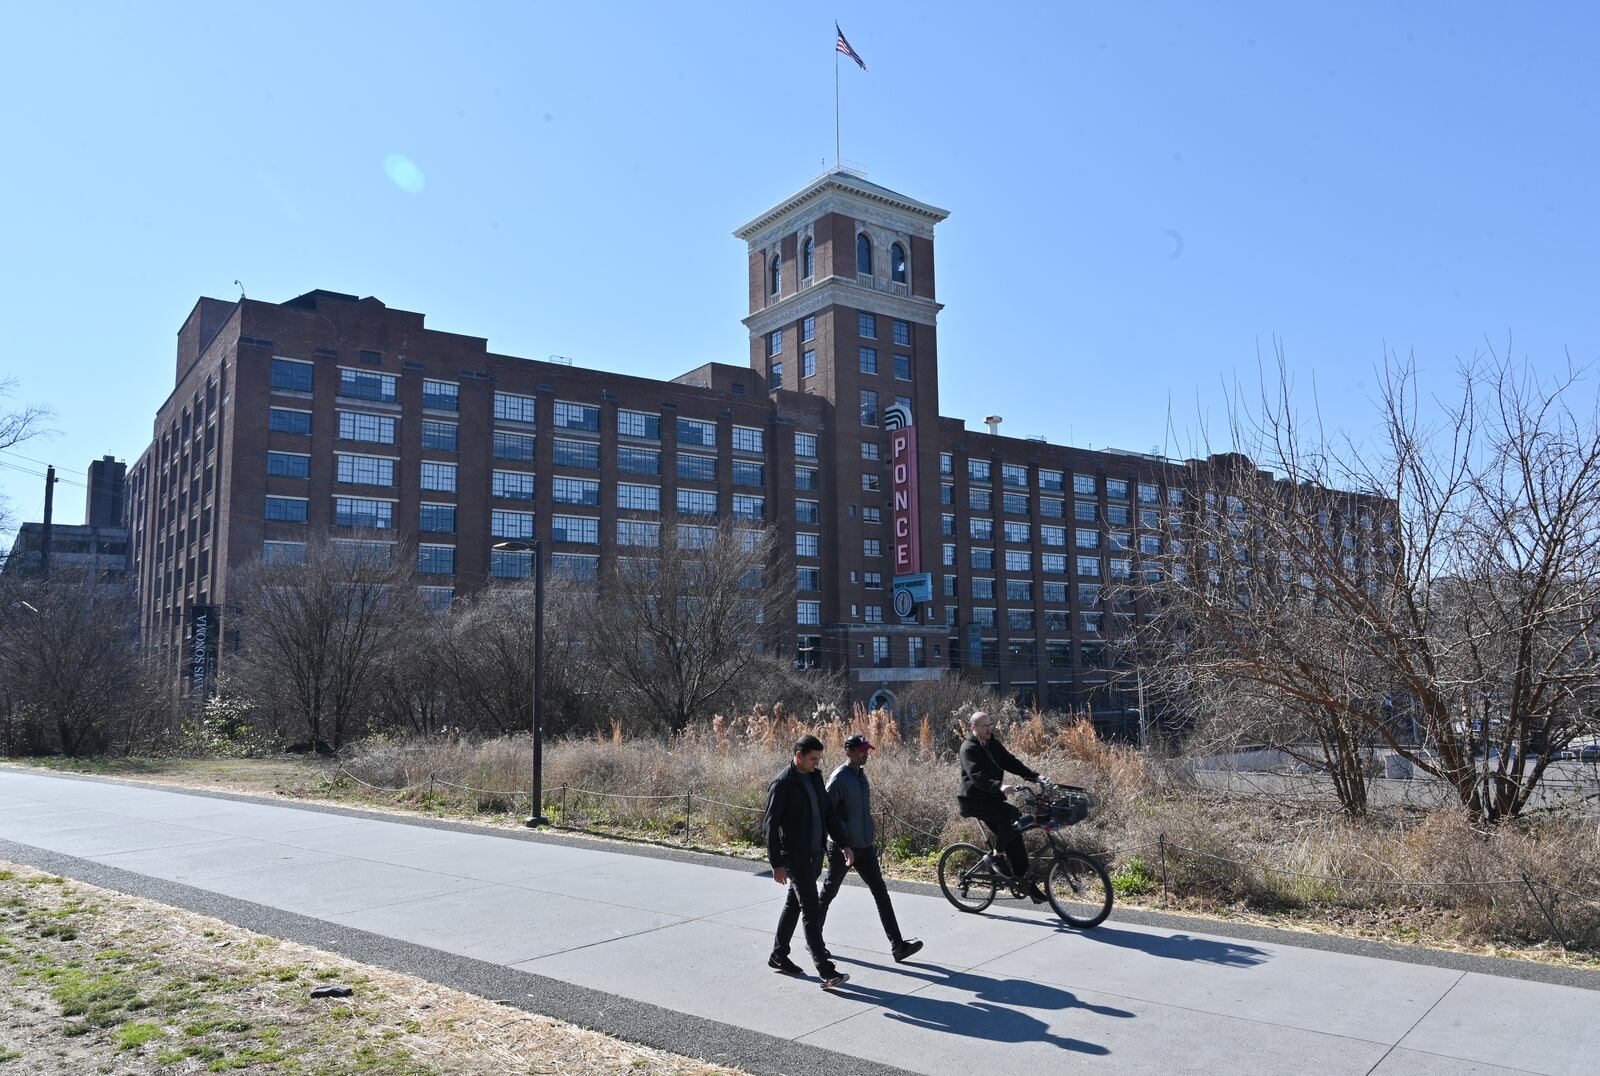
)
(848, 183)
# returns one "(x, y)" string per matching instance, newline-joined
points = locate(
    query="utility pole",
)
(49, 511)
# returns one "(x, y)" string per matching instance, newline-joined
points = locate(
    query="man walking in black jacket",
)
(798, 819)
(984, 764)
(851, 795)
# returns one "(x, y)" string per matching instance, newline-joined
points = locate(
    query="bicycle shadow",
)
(989, 1015)
(1184, 947)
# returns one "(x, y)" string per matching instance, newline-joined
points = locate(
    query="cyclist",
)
(984, 764)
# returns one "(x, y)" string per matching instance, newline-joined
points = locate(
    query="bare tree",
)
(17, 426)
(677, 627)
(318, 636)
(1436, 595)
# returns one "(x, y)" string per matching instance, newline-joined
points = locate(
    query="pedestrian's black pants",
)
(802, 906)
(999, 817)
(872, 874)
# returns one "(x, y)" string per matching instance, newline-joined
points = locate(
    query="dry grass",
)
(96, 981)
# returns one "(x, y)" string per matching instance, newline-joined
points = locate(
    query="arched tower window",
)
(807, 259)
(863, 254)
(776, 273)
(897, 263)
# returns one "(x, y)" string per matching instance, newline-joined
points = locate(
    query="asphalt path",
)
(669, 948)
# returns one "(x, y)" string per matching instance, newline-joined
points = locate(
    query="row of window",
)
(1015, 476)
(898, 270)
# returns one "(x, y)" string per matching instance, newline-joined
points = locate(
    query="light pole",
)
(537, 548)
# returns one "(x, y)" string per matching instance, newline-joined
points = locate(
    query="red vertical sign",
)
(907, 527)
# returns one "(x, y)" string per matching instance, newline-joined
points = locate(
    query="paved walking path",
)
(558, 926)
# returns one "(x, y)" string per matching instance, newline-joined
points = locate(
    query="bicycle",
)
(1077, 885)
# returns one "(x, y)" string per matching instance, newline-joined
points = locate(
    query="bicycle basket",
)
(1070, 806)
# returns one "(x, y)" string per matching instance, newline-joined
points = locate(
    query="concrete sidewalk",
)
(1007, 990)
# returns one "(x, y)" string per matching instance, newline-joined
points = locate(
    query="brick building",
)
(329, 414)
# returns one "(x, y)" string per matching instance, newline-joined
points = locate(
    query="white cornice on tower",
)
(841, 192)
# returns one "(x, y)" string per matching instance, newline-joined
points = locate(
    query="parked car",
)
(1589, 752)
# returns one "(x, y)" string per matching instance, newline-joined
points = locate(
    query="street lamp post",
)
(537, 548)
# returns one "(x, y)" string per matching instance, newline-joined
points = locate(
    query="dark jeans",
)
(872, 874)
(802, 906)
(999, 817)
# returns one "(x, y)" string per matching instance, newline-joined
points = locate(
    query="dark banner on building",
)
(205, 635)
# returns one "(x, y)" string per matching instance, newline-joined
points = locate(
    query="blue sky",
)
(1139, 198)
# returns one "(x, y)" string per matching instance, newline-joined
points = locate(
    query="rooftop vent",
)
(994, 423)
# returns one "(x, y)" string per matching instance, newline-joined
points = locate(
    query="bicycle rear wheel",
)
(966, 881)
(1079, 890)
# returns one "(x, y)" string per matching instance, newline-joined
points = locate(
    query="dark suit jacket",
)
(788, 818)
(983, 771)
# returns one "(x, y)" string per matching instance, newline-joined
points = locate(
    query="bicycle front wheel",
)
(1079, 890)
(967, 882)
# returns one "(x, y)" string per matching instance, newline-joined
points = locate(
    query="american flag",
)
(844, 46)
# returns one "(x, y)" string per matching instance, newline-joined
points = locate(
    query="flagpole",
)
(836, 160)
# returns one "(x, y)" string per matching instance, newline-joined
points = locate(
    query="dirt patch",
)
(96, 981)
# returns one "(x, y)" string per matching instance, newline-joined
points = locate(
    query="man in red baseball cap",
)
(851, 795)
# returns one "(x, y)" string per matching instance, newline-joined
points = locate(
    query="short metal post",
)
(688, 806)
(1555, 931)
(1161, 843)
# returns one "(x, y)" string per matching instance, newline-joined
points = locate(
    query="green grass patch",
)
(133, 1036)
(1134, 878)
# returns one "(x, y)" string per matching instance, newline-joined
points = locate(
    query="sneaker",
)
(784, 966)
(906, 950)
(838, 978)
(1035, 893)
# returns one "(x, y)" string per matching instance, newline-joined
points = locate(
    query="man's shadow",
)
(989, 1015)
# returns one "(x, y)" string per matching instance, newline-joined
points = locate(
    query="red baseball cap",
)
(858, 740)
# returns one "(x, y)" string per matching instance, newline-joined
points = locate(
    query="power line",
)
(41, 474)
(42, 463)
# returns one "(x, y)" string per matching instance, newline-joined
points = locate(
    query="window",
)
(512, 485)
(808, 612)
(805, 478)
(581, 529)
(806, 512)
(572, 416)
(872, 614)
(746, 506)
(286, 509)
(1053, 563)
(513, 446)
(978, 470)
(807, 545)
(1053, 536)
(808, 578)
(1174, 495)
(869, 407)
(869, 360)
(869, 450)
(1050, 507)
(437, 599)
(1149, 517)
(440, 436)
(638, 461)
(950, 582)
(808, 324)
(863, 254)
(903, 401)
(1086, 539)
(436, 518)
(808, 364)
(902, 367)
(580, 455)
(805, 445)
(1055, 592)
(917, 653)
(282, 420)
(867, 327)
(880, 651)
(897, 263)
(639, 424)
(638, 532)
(585, 491)
(1117, 513)
(980, 500)
(638, 498)
(947, 463)
(980, 529)
(1117, 541)
(949, 559)
(1019, 590)
(1148, 493)
(871, 515)
(509, 407)
(982, 589)
(283, 553)
(775, 275)
(746, 473)
(692, 468)
(1085, 485)
(983, 558)
(808, 260)
(439, 476)
(1018, 561)
(1117, 489)
(288, 465)
(1120, 568)
(291, 375)
(902, 334)
(1020, 620)
(1086, 512)
(984, 618)
(872, 547)
(366, 385)
(871, 483)
(947, 525)
(1149, 545)
(697, 502)
(436, 560)
(507, 565)
(1050, 480)
(365, 470)
(872, 580)
(1058, 655)
(774, 343)
(576, 566)
(749, 439)
(1014, 475)
(695, 432)
(363, 512)
(441, 396)
(510, 524)
(947, 494)
(374, 429)
(1089, 567)
(1015, 504)
(693, 537)
(1018, 533)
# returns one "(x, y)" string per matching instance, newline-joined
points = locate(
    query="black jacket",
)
(788, 818)
(983, 771)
